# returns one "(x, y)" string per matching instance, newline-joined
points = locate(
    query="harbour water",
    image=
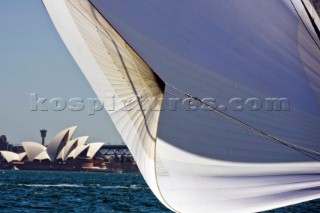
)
(35, 191)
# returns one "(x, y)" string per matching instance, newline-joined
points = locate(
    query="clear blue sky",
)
(33, 59)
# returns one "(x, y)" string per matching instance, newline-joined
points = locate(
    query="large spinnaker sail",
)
(220, 49)
(311, 18)
(313, 11)
(129, 89)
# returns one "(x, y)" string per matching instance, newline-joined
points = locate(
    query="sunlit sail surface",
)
(206, 160)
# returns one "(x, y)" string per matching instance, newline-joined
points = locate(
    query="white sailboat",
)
(15, 168)
(211, 160)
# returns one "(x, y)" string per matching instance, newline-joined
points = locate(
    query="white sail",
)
(113, 68)
(201, 161)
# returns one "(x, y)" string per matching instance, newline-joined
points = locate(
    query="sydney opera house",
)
(63, 152)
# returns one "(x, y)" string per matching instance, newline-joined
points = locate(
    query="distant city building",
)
(61, 148)
(4, 144)
(67, 154)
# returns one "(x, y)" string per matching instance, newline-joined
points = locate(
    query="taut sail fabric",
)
(114, 69)
(198, 161)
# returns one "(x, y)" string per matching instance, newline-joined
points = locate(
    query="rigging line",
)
(316, 28)
(247, 126)
(307, 154)
(303, 150)
(304, 24)
(159, 190)
(128, 74)
(170, 93)
(127, 43)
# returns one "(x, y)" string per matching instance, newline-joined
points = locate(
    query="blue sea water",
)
(38, 191)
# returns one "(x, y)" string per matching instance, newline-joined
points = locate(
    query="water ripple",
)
(35, 191)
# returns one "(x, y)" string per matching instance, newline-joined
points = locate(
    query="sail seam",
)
(158, 79)
(302, 150)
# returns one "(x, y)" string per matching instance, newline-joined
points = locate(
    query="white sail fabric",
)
(215, 49)
(313, 12)
(114, 68)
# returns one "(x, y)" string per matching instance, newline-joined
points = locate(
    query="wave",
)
(91, 185)
(52, 185)
(125, 187)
